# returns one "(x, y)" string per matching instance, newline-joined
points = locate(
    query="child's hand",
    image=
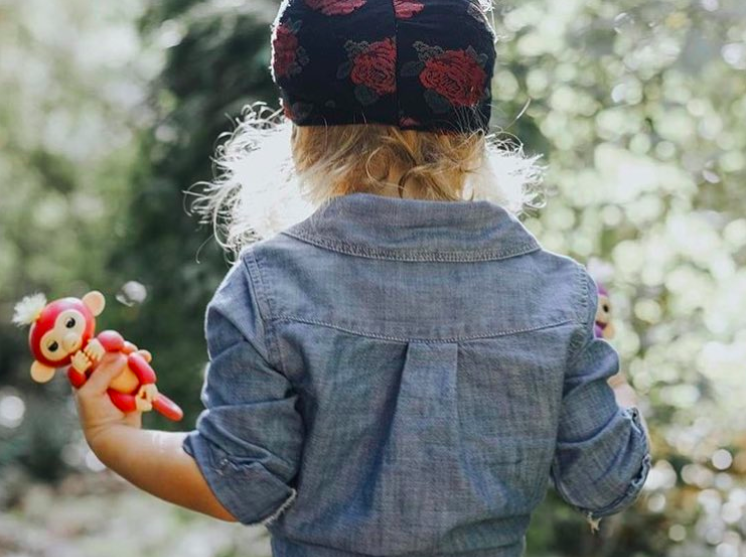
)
(624, 393)
(626, 396)
(95, 409)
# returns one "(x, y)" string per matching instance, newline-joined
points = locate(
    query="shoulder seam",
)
(256, 284)
(581, 315)
(250, 262)
(585, 295)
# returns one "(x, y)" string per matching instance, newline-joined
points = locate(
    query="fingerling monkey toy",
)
(63, 333)
(604, 326)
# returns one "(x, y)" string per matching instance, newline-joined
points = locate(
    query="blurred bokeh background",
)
(110, 110)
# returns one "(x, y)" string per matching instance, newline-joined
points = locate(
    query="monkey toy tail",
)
(167, 407)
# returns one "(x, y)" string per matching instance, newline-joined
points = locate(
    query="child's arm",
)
(625, 395)
(156, 462)
(249, 439)
(603, 457)
(152, 460)
(241, 460)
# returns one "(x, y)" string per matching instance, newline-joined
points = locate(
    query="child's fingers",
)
(617, 379)
(133, 419)
(111, 365)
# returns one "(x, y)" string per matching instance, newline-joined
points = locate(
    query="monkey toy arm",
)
(77, 379)
(138, 363)
(112, 341)
(140, 366)
(84, 360)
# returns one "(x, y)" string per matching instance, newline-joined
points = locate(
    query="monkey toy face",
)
(67, 334)
(59, 329)
(603, 314)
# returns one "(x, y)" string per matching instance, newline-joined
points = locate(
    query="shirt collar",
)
(372, 225)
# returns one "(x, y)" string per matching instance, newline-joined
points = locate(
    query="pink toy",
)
(63, 334)
(604, 326)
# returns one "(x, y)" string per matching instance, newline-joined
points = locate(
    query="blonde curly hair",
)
(271, 173)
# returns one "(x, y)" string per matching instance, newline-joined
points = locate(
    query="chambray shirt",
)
(398, 376)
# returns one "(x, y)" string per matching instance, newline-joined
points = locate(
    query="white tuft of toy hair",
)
(28, 309)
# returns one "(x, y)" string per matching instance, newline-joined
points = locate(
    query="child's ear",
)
(41, 373)
(95, 302)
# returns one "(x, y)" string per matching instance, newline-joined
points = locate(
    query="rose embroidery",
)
(335, 7)
(455, 75)
(450, 77)
(287, 56)
(375, 67)
(404, 9)
(371, 67)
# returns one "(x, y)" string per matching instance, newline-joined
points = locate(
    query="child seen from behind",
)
(396, 365)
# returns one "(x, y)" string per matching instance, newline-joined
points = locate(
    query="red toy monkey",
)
(604, 325)
(62, 334)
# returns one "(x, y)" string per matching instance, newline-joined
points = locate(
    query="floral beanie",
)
(422, 65)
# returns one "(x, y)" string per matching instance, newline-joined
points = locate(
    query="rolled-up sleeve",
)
(248, 440)
(602, 457)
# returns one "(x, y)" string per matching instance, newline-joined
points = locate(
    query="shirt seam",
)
(585, 293)
(285, 539)
(414, 255)
(369, 334)
(583, 317)
(265, 312)
(576, 338)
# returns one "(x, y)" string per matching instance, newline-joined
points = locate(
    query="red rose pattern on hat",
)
(371, 67)
(455, 75)
(335, 7)
(404, 9)
(287, 56)
(450, 77)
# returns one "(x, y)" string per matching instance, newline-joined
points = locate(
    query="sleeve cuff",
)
(244, 486)
(635, 487)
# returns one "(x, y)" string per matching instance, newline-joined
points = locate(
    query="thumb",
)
(111, 365)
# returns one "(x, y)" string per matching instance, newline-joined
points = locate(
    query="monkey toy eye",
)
(70, 323)
(53, 347)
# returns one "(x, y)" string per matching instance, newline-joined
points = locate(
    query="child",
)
(396, 366)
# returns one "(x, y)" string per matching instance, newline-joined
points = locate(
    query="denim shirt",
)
(397, 376)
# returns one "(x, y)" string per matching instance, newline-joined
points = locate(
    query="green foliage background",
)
(110, 112)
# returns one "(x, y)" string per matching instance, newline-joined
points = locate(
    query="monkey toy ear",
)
(95, 302)
(41, 373)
